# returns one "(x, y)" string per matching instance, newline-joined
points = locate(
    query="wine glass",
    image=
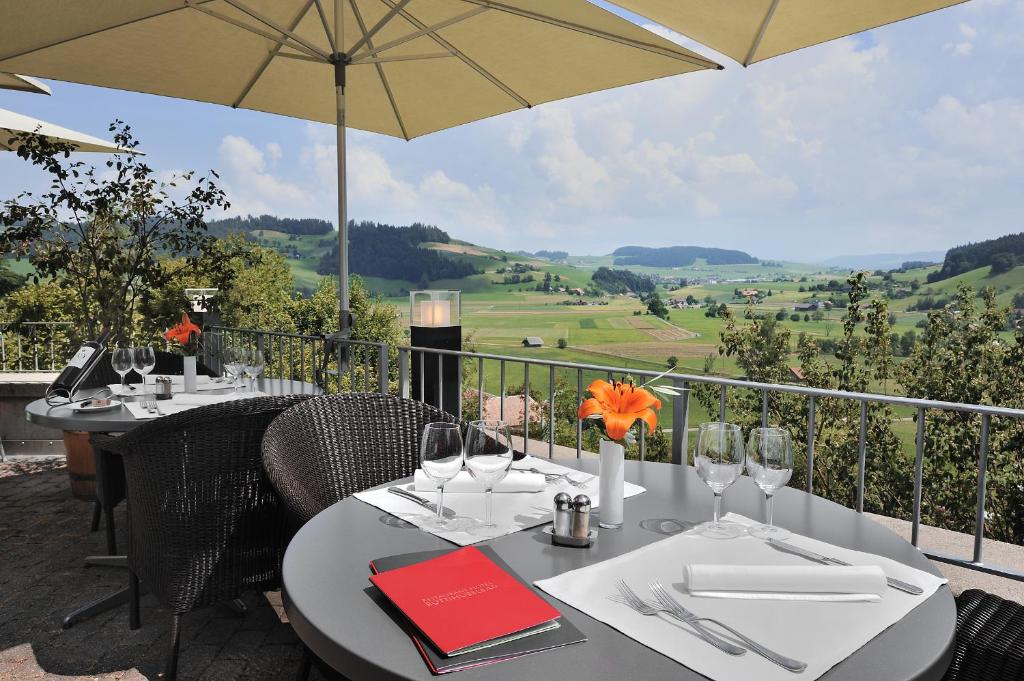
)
(488, 458)
(441, 459)
(233, 364)
(770, 464)
(719, 461)
(143, 361)
(121, 361)
(253, 365)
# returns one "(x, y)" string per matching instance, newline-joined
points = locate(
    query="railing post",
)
(721, 405)
(458, 391)
(382, 368)
(551, 413)
(918, 476)
(764, 408)
(579, 422)
(862, 448)
(501, 403)
(979, 519)
(680, 417)
(403, 373)
(810, 444)
(480, 387)
(526, 407)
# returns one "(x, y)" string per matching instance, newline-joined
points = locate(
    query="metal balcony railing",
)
(34, 346)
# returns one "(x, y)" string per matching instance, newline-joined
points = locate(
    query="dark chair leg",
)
(134, 621)
(96, 510)
(108, 514)
(171, 672)
(303, 672)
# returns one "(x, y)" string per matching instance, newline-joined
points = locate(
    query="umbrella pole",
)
(345, 321)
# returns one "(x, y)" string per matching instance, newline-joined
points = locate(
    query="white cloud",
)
(250, 187)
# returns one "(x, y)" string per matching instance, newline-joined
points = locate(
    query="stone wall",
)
(17, 435)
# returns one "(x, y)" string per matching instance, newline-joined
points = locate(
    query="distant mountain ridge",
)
(679, 256)
(882, 261)
(301, 226)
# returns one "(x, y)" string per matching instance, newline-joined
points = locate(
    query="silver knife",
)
(825, 560)
(425, 503)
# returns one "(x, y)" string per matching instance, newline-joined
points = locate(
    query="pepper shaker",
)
(581, 517)
(163, 388)
(563, 515)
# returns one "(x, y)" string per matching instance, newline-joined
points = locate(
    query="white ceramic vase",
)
(190, 374)
(611, 483)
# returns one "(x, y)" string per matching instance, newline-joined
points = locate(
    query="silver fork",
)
(551, 477)
(665, 599)
(149, 405)
(630, 598)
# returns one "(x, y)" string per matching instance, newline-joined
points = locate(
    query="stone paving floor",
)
(44, 534)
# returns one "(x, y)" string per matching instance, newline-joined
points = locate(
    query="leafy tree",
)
(9, 280)
(795, 317)
(656, 306)
(672, 362)
(780, 315)
(1001, 262)
(103, 234)
(562, 344)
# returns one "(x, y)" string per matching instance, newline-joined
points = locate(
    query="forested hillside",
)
(393, 252)
(1000, 254)
(622, 281)
(301, 226)
(679, 256)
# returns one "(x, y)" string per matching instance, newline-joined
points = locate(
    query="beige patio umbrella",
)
(398, 67)
(753, 30)
(12, 81)
(12, 123)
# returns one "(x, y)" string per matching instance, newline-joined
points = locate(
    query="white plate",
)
(77, 406)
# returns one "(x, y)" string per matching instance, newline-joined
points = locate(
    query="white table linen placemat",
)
(513, 511)
(822, 634)
(184, 402)
(464, 483)
(177, 385)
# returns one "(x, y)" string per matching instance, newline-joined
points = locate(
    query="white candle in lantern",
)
(435, 313)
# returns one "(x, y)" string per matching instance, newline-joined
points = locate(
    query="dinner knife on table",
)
(826, 560)
(425, 503)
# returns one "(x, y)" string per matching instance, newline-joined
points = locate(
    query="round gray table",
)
(333, 609)
(120, 420)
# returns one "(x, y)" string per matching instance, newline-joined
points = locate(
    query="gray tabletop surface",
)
(120, 420)
(333, 608)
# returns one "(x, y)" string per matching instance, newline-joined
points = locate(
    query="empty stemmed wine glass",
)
(233, 360)
(441, 458)
(719, 461)
(488, 458)
(143, 361)
(253, 366)
(770, 464)
(121, 361)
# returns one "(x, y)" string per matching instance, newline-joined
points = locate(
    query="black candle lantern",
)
(436, 325)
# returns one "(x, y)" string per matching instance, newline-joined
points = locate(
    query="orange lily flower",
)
(620, 406)
(183, 331)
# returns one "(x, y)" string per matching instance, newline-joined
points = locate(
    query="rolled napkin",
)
(515, 481)
(786, 582)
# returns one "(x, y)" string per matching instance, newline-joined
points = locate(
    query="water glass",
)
(770, 464)
(143, 361)
(441, 459)
(719, 461)
(121, 361)
(488, 458)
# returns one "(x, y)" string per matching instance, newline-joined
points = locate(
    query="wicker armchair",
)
(205, 524)
(110, 493)
(989, 639)
(329, 447)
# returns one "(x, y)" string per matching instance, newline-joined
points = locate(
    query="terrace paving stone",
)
(44, 535)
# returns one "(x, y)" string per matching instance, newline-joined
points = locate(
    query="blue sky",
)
(906, 138)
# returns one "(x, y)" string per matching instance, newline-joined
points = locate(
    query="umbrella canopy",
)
(753, 30)
(12, 81)
(398, 67)
(12, 123)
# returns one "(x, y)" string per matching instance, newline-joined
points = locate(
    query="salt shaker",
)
(163, 387)
(581, 517)
(563, 515)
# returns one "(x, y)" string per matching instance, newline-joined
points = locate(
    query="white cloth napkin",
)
(786, 582)
(515, 481)
(820, 634)
(512, 512)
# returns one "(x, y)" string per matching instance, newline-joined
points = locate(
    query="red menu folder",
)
(462, 599)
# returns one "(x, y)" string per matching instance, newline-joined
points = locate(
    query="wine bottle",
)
(79, 367)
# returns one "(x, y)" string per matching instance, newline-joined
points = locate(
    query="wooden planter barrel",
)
(81, 465)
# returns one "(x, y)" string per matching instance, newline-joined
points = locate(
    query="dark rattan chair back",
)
(327, 448)
(989, 639)
(205, 523)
